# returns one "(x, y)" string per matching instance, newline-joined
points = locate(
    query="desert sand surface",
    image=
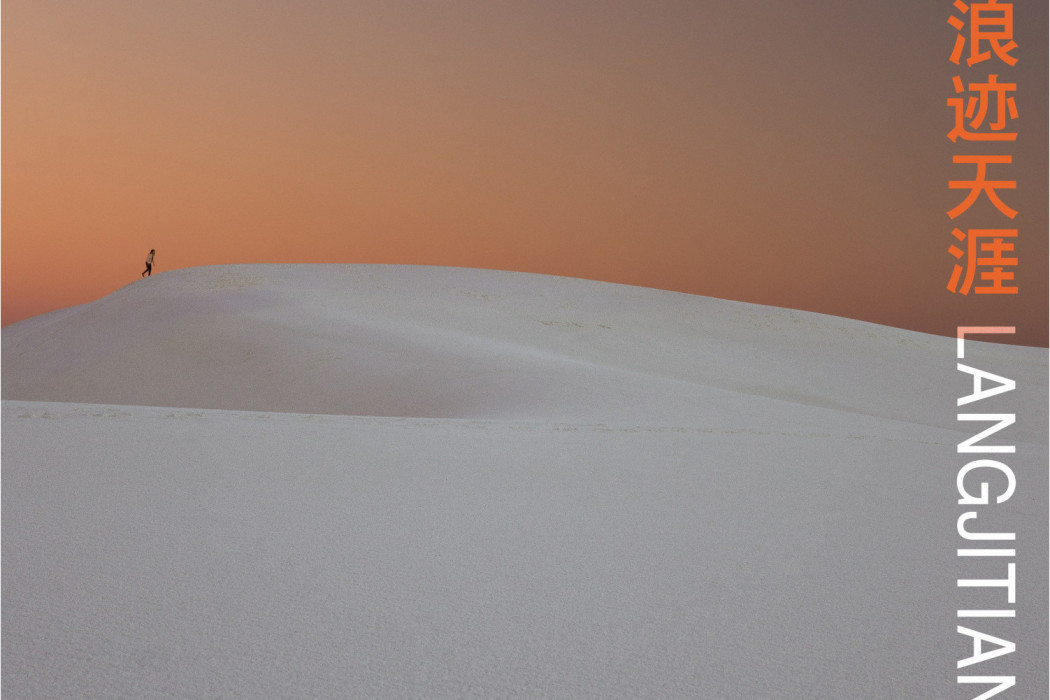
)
(326, 481)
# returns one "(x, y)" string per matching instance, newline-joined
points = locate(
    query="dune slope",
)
(462, 343)
(399, 482)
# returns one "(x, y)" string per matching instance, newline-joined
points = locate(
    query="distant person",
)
(149, 264)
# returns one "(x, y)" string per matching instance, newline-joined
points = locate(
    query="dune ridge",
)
(413, 482)
(466, 343)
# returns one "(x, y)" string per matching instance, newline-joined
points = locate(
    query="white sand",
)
(385, 481)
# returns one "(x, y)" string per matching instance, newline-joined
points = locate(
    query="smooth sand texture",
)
(386, 481)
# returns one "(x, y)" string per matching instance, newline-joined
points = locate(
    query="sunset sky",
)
(783, 153)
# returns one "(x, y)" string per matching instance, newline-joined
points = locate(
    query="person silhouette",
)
(149, 264)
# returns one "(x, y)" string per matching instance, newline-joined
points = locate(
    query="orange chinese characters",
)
(991, 24)
(980, 184)
(976, 110)
(984, 249)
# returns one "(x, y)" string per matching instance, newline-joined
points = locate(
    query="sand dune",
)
(460, 343)
(387, 481)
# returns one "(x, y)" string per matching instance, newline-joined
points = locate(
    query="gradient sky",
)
(785, 153)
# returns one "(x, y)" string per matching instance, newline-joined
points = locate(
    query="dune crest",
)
(547, 487)
(414, 341)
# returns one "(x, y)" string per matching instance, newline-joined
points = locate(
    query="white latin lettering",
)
(1004, 683)
(979, 639)
(986, 552)
(1009, 583)
(963, 331)
(969, 499)
(979, 392)
(970, 445)
(979, 535)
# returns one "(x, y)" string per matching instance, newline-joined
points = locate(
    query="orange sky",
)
(786, 154)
